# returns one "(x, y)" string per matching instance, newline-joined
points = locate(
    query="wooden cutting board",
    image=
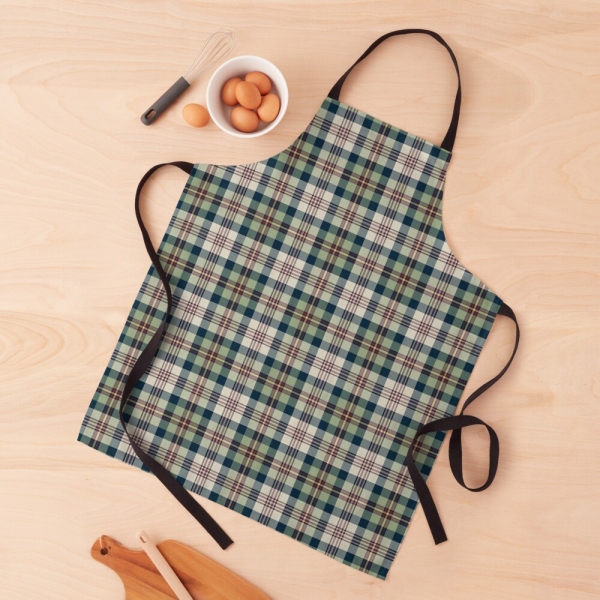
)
(203, 578)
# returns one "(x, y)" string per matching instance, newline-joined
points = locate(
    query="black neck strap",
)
(456, 424)
(448, 142)
(143, 362)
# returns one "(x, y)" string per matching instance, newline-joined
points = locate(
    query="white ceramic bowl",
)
(240, 66)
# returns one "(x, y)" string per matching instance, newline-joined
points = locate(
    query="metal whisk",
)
(215, 49)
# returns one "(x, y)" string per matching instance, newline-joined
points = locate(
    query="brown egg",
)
(244, 119)
(195, 115)
(269, 108)
(247, 94)
(228, 91)
(260, 80)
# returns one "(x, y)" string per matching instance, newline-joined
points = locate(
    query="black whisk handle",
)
(159, 107)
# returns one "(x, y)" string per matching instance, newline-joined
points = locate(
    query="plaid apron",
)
(301, 341)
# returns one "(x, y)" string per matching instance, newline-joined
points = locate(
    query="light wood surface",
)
(521, 210)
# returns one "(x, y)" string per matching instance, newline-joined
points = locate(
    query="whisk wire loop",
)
(215, 49)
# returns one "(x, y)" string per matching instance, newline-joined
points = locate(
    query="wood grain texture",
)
(521, 210)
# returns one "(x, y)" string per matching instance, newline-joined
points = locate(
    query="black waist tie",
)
(140, 366)
(456, 424)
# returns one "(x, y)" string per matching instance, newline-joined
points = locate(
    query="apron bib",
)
(299, 346)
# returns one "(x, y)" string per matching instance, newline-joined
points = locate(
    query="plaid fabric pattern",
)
(319, 319)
